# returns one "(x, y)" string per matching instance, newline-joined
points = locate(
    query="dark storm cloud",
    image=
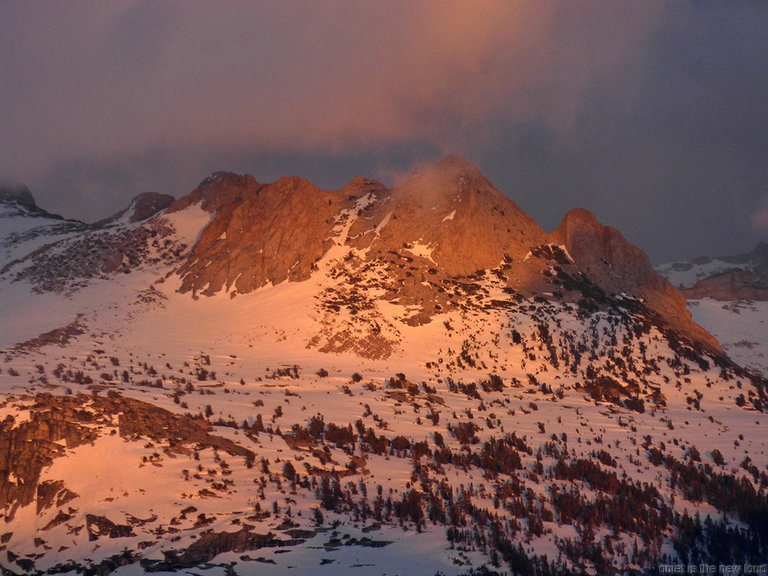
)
(647, 113)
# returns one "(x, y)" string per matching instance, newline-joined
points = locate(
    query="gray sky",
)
(654, 115)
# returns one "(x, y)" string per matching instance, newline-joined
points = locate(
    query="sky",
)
(653, 115)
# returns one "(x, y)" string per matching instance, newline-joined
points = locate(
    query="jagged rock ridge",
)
(261, 233)
(618, 267)
(501, 393)
(446, 222)
(413, 243)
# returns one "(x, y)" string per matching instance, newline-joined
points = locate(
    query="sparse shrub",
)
(289, 472)
(465, 432)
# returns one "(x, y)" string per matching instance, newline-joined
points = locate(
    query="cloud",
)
(759, 217)
(120, 78)
(650, 114)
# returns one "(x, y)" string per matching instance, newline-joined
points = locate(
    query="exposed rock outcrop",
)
(212, 544)
(148, 204)
(735, 284)
(72, 262)
(142, 207)
(218, 190)
(29, 447)
(617, 266)
(103, 527)
(445, 223)
(262, 234)
(421, 245)
(456, 214)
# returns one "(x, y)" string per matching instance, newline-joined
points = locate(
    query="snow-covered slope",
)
(686, 274)
(376, 415)
(740, 326)
(729, 297)
(744, 276)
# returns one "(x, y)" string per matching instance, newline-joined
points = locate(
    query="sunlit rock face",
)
(261, 234)
(272, 378)
(617, 266)
(452, 209)
(411, 245)
(270, 233)
(445, 222)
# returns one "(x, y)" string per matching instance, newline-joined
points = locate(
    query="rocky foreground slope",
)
(273, 378)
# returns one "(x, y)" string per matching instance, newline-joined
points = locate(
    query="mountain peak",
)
(18, 193)
(218, 190)
(456, 163)
(143, 206)
(443, 182)
(618, 267)
(18, 200)
(148, 204)
(451, 207)
(448, 218)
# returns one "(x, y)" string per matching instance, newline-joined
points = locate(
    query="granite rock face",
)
(452, 209)
(618, 267)
(444, 224)
(262, 234)
(424, 244)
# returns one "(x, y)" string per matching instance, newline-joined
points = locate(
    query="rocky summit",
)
(446, 222)
(272, 378)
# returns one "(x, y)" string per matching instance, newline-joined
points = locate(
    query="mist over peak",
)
(16, 192)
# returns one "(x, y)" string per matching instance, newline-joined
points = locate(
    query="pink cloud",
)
(93, 79)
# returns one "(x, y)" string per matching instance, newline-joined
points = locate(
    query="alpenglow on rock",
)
(447, 221)
(274, 378)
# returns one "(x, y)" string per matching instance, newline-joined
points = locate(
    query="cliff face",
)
(423, 244)
(455, 212)
(617, 266)
(446, 222)
(262, 234)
